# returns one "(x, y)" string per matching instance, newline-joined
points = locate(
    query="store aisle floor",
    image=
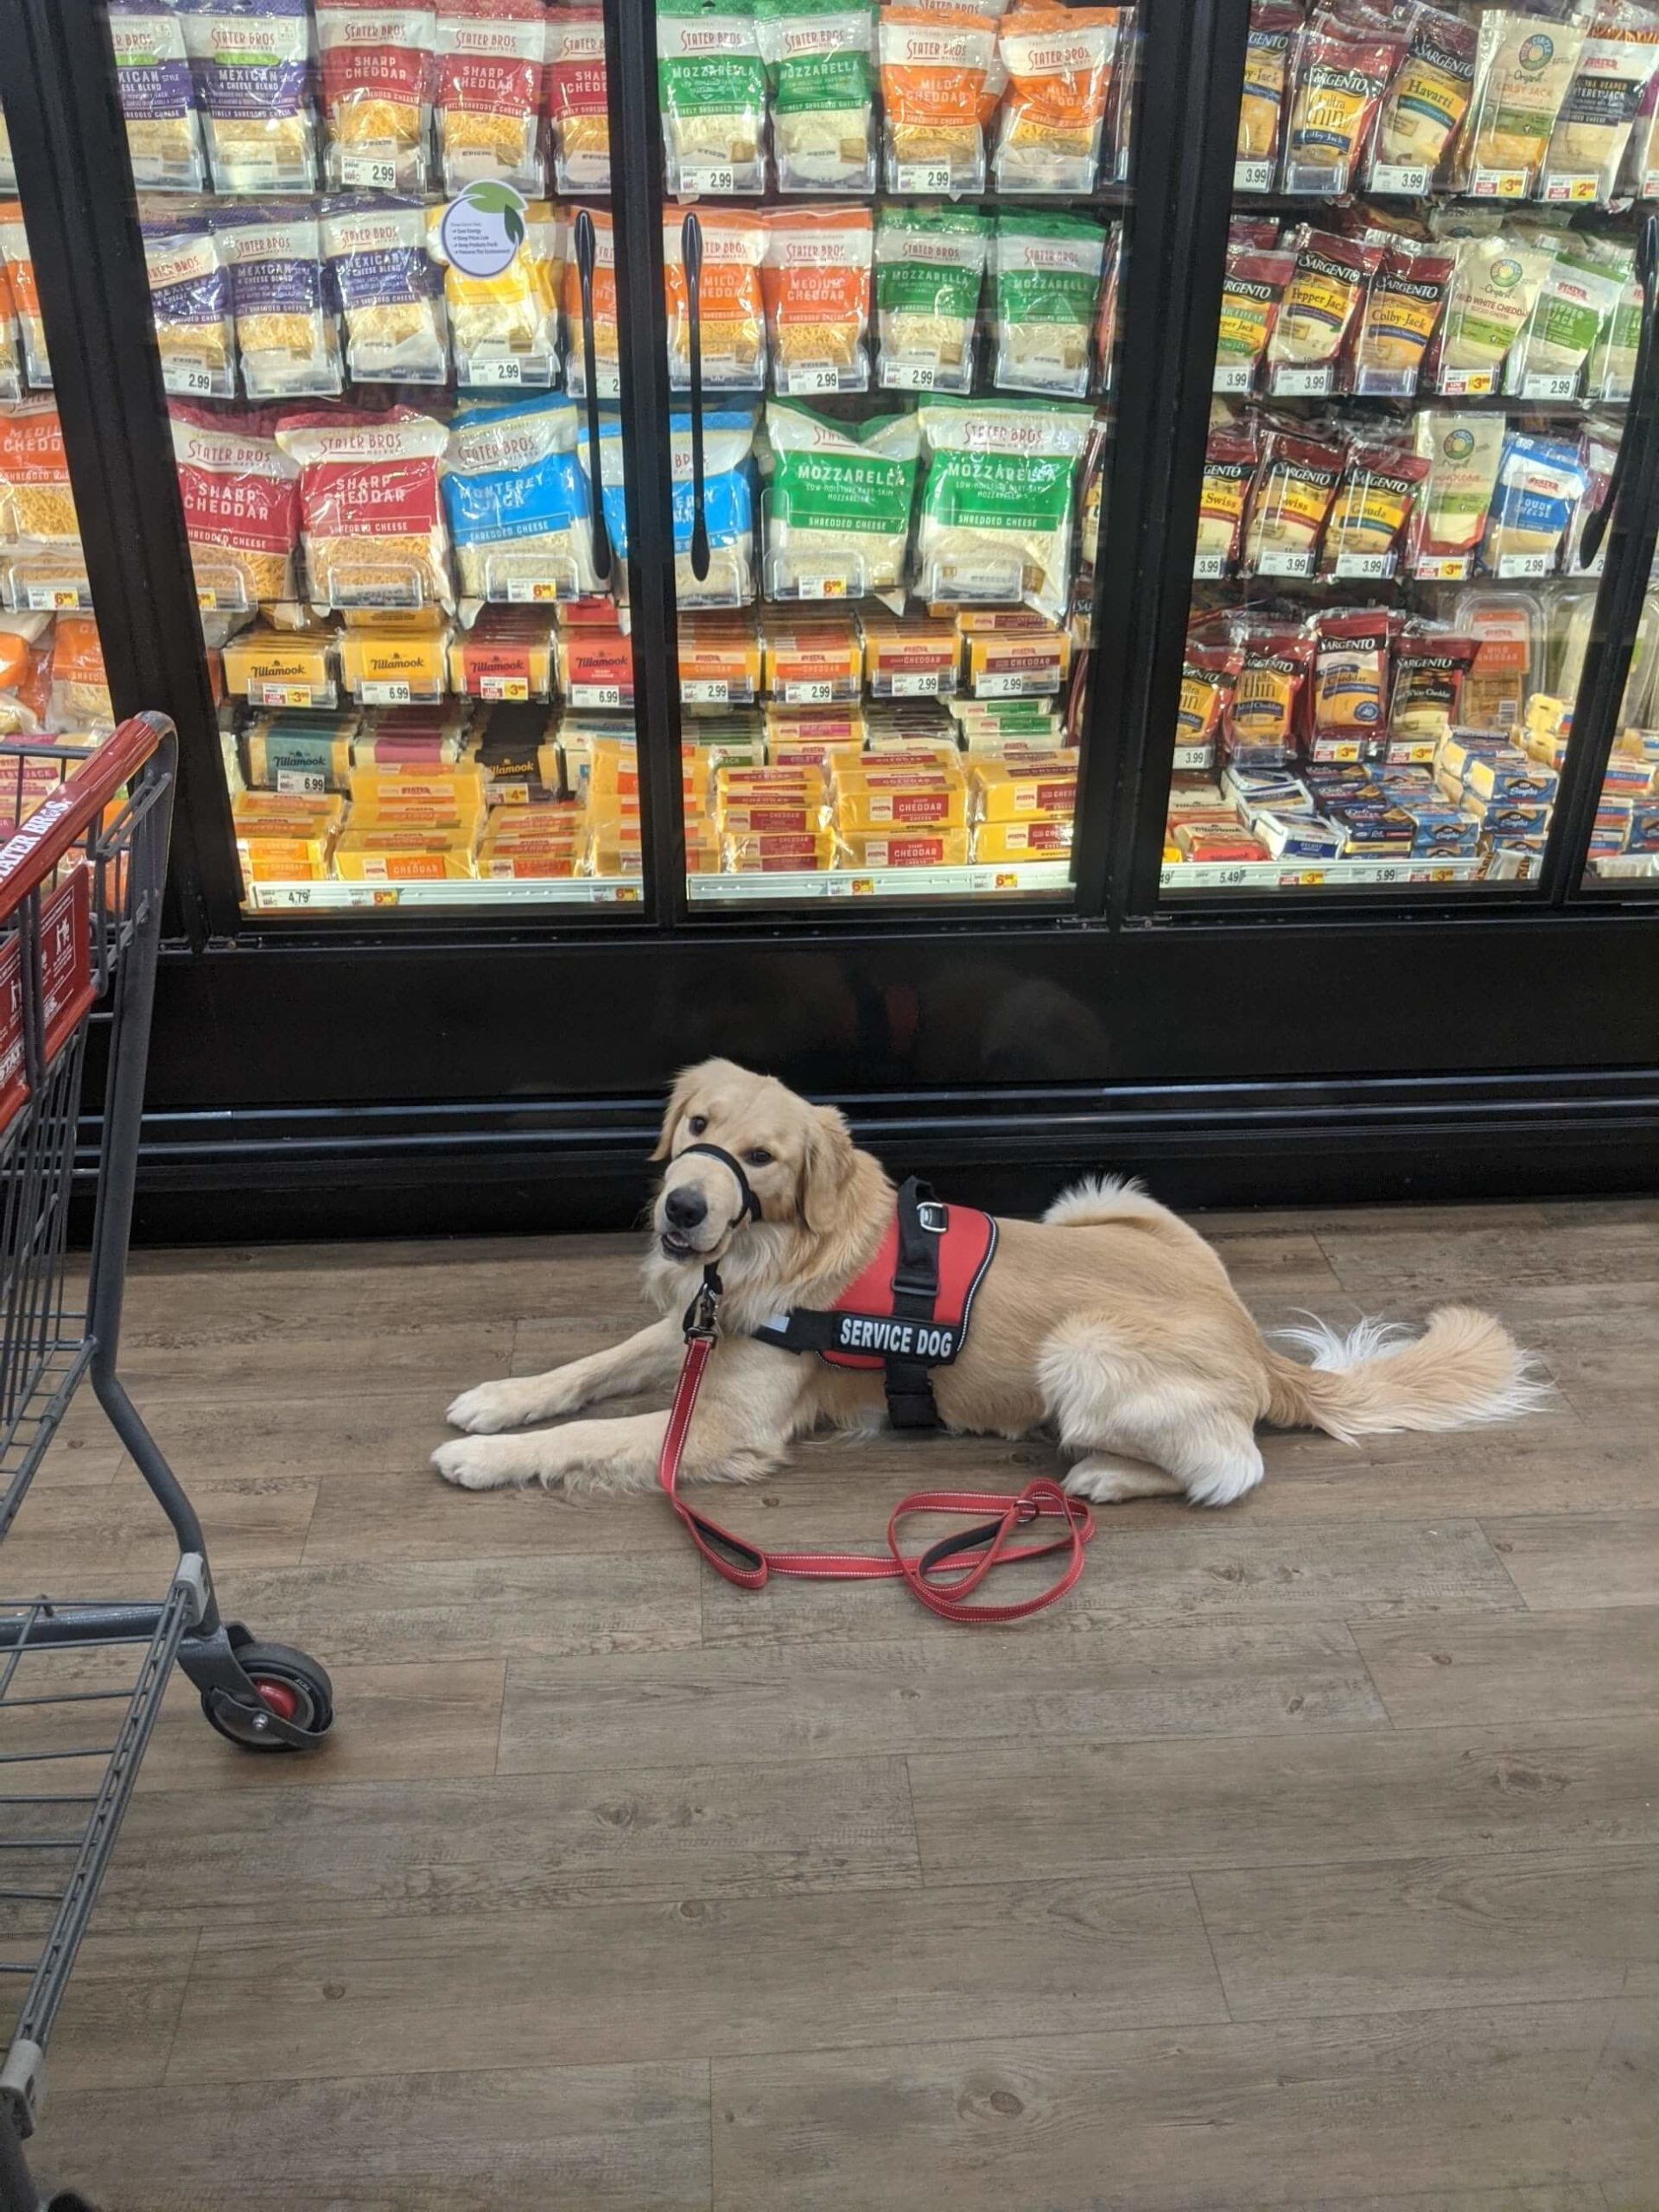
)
(1309, 1855)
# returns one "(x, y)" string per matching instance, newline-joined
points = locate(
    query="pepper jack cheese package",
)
(1273, 27)
(1576, 304)
(712, 87)
(838, 505)
(930, 263)
(1320, 312)
(1047, 271)
(377, 94)
(821, 76)
(816, 282)
(577, 99)
(158, 96)
(241, 508)
(1058, 62)
(490, 55)
(253, 67)
(934, 64)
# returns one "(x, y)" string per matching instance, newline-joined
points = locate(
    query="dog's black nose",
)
(685, 1209)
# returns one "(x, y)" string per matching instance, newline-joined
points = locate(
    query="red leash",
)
(939, 1578)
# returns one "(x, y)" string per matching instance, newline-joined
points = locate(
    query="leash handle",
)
(991, 1544)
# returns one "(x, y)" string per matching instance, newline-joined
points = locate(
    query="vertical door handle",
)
(1642, 400)
(587, 255)
(691, 254)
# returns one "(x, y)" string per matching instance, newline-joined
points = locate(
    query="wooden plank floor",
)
(1307, 1857)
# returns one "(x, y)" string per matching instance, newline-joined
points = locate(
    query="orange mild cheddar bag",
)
(1059, 64)
(934, 63)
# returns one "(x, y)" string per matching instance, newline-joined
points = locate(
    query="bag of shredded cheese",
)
(728, 504)
(838, 504)
(286, 329)
(576, 97)
(241, 496)
(369, 513)
(504, 329)
(7, 167)
(252, 66)
(190, 301)
(1592, 130)
(158, 97)
(934, 65)
(996, 508)
(1046, 271)
(42, 565)
(11, 363)
(734, 320)
(487, 104)
(928, 265)
(817, 284)
(1524, 64)
(377, 94)
(606, 357)
(1059, 69)
(820, 71)
(712, 87)
(20, 278)
(519, 504)
(390, 290)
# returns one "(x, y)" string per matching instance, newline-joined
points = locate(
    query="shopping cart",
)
(81, 1683)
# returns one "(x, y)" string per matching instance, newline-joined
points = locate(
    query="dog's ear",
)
(825, 1168)
(679, 1099)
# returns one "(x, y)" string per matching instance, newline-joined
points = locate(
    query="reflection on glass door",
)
(384, 294)
(1429, 335)
(1624, 845)
(892, 261)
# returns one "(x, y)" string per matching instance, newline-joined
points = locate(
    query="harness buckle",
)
(932, 1215)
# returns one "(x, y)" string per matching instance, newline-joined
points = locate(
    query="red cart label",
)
(66, 992)
(14, 1072)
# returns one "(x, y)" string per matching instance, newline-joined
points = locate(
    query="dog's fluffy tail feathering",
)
(1465, 1368)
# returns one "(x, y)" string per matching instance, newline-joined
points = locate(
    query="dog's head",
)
(796, 1159)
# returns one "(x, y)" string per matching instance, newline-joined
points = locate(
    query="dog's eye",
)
(697, 1124)
(758, 1158)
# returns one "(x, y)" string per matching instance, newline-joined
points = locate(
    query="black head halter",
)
(751, 1205)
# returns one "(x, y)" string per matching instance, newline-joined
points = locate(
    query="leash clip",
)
(701, 1315)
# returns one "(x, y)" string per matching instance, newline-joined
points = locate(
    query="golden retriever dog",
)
(1110, 1326)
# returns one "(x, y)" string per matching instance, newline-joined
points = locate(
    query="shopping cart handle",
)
(28, 860)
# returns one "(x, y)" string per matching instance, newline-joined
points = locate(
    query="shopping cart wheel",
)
(293, 1686)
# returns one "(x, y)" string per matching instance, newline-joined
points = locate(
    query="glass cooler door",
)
(1429, 331)
(383, 291)
(893, 247)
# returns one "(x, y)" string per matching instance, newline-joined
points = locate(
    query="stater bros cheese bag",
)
(377, 94)
(1047, 271)
(996, 508)
(158, 97)
(254, 73)
(286, 330)
(606, 357)
(190, 301)
(390, 290)
(11, 361)
(712, 87)
(934, 65)
(728, 504)
(20, 280)
(1592, 130)
(371, 517)
(815, 280)
(42, 564)
(487, 101)
(576, 98)
(734, 321)
(1058, 62)
(504, 329)
(821, 73)
(930, 263)
(838, 504)
(241, 494)
(519, 512)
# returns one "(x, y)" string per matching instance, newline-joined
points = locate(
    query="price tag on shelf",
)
(1190, 757)
(1409, 178)
(1574, 187)
(506, 688)
(924, 684)
(486, 372)
(1386, 383)
(822, 586)
(302, 782)
(1319, 179)
(1513, 565)
(1274, 560)
(1465, 384)
(207, 598)
(705, 691)
(1013, 684)
(56, 599)
(596, 695)
(1252, 176)
(1561, 385)
(921, 176)
(381, 693)
(810, 376)
(376, 171)
(1302, 383)
(817, 692)
(1231, 376)
(1498, 184)
(197, 383)
(905, 373)
(1650, 185)
(716, 177)
(1441, 568)
(1370, 567)
(282, 694)
(1209, 567)
(531, 591)
(608, 381)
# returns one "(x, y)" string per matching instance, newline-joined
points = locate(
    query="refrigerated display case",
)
(1075, 573)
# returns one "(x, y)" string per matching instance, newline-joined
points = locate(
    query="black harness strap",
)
(922, 1222)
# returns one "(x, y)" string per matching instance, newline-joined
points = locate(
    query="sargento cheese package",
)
(241, 494)
(930, 263)
(711, 85)
(26, 300)
(519, 509)
(606, 355)
(1524, 67)
(727, 503)
(1231, 458)
(1046, 274)
(287, 332)
(253, 74)
(838, 505)
(816, 282)
(934, 63)
(390, 290)
(1259, 722)
(578, 112)
(1209, 676)
(1058, 62)
(190, 303)
(1430, 668)
(1540, 482)
(997, 505)
(734, 324)
(1340, 80)
(377, 94)
(1321, 310)
(821, 73)
(1403, 306)
(1273, 28)
(157, 95)
(1252, 294)
(1424, 107)
(1290, 499)
(503, 328)
(487, 97)
(1370, 523)
(1351, 673)
(371, 517)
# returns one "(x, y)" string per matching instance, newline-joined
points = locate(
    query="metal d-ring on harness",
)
(944, 1577)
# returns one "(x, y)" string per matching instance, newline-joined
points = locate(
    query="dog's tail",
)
(1465, 1368)
(1100, 1198)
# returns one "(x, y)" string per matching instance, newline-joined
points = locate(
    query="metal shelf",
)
(1280, 875)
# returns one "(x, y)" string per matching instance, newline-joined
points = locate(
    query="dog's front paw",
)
(478, 1463)
(495, 1406)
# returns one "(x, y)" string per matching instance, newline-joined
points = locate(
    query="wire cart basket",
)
(81, 1682)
